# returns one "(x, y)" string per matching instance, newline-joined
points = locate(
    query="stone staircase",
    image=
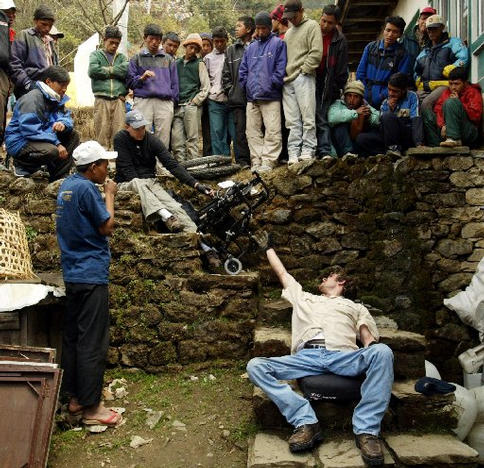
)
(415, 429)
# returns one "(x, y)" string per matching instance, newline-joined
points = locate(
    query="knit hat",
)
(206, 36)
(291, 8)
(43, 12)
(430, 386)
(434, 21)
(356, 87)
(276, 14)
(193, 39)
(263, 19)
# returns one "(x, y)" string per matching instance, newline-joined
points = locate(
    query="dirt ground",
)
(213, 404)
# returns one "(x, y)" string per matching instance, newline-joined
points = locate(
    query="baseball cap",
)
(7, 4)
(434, 21)
(135, 119)
(428, 10)
(91, 151)
(291, 7)
(55, 32)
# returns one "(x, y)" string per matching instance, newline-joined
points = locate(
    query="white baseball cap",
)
(91, 151)
(7, 4)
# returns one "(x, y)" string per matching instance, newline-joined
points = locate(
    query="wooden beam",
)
(365, 4)
(378, 20)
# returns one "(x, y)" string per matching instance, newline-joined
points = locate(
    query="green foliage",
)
(31, 233)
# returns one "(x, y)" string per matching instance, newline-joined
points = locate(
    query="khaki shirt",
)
(338, 318)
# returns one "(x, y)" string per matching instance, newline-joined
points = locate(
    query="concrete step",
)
(408, 410)
(408, 348)
(270, 450)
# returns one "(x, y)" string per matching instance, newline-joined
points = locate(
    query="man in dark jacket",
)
(33, 52)
(7, 15)
(153, 78)
(331, 76)
(138, 151)
(40, 132)
(107, 70)
(236, 100)
(381, 59)
(261, 76)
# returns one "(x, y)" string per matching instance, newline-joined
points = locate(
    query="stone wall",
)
(411, 232)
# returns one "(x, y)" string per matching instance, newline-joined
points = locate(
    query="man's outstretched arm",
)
(277, 266)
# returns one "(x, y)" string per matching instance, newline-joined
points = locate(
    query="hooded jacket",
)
(471, 99)
(29, 61)
(262, 70)
(336, 67)
(108, 80)
(230, 74)
(33, 117)
(339, 113)
(376, 66)
(434, 63)
(164, 85)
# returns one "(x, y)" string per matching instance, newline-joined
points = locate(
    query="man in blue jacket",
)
(153, 78)
(381, 59)
(41, 130)
(261, 75)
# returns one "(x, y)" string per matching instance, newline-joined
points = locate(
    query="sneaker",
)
(213, 259)
(349, 156)
(450, 143)
(394, 152)
(292, 159)
(371, 450)
(19, 171)
(305, 437)
(173, 224)
(327, 157)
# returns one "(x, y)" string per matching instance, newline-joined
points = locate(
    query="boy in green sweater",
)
(194, 85)
(107, 70)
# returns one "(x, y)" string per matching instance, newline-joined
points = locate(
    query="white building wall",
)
(407, 8)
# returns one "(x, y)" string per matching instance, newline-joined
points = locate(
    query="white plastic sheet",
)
(82, 82)
(19, 295)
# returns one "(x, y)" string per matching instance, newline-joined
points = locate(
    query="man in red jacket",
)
(456, 115)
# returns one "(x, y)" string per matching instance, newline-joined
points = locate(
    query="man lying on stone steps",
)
(324, 333)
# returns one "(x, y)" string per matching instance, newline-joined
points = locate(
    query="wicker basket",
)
(15, 261)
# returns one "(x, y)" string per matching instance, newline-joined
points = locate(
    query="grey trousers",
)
(428, 99)
(159, 113)
(109, 116)
(184, 132)
(153, 198)
(4, 88)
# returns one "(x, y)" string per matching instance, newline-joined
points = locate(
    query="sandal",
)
(115, 419)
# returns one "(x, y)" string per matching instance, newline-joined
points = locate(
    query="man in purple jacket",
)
(153, 78)
(261, 74)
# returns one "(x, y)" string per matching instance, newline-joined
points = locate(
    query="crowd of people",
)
(279, 93)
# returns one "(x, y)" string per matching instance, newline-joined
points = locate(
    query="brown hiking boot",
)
(371, 450)
(305, 437)
(173, 224)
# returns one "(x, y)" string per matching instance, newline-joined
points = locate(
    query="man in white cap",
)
(84, 221)
(7, 16)
(350, 116)
(194, 85)
(436, 61)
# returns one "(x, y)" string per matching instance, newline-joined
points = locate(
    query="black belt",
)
(315, 344)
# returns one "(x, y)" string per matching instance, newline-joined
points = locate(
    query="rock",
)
(455, 281)
(475, 196)
(343, 453)
(277, 216)
(137, 441)
(22, 185)
(449, 247)
(271, 342)
(193, 378)
(437, 150)
(225, 434)
(289, 185)
(272, 451)
(321, 229)
(430, 449)
(153, 417)
(458, 163)
(475, 230)
(385, 322)
(120, 392)
(179, 426)
(96, 429)
(345, 256)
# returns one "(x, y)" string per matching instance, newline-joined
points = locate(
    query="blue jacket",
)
(164, 85)
(28, 61)
(262, 70)
(434, 63)
(376, 66)
(32, 120)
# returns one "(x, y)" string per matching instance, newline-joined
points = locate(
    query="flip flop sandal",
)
(112, 421)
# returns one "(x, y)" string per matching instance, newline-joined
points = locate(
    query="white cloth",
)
(19, 295)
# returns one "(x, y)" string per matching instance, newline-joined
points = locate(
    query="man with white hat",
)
(350, 116)
(84, 221)
(436, 61)
(7, 16)
(194, 85)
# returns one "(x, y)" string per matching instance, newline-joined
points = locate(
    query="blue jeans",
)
(222, 127)
(340, 135)
(376, 361)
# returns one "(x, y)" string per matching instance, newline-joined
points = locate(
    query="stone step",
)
(408, 410)
(408, 348)
(275, 311)
(270, 450)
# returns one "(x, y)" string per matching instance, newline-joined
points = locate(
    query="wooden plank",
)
(378, 20)
(9, 320)
(377, 4)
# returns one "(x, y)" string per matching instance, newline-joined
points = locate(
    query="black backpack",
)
(4, 41)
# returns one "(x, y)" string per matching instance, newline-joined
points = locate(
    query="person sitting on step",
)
(457, 114)
(324, 333)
